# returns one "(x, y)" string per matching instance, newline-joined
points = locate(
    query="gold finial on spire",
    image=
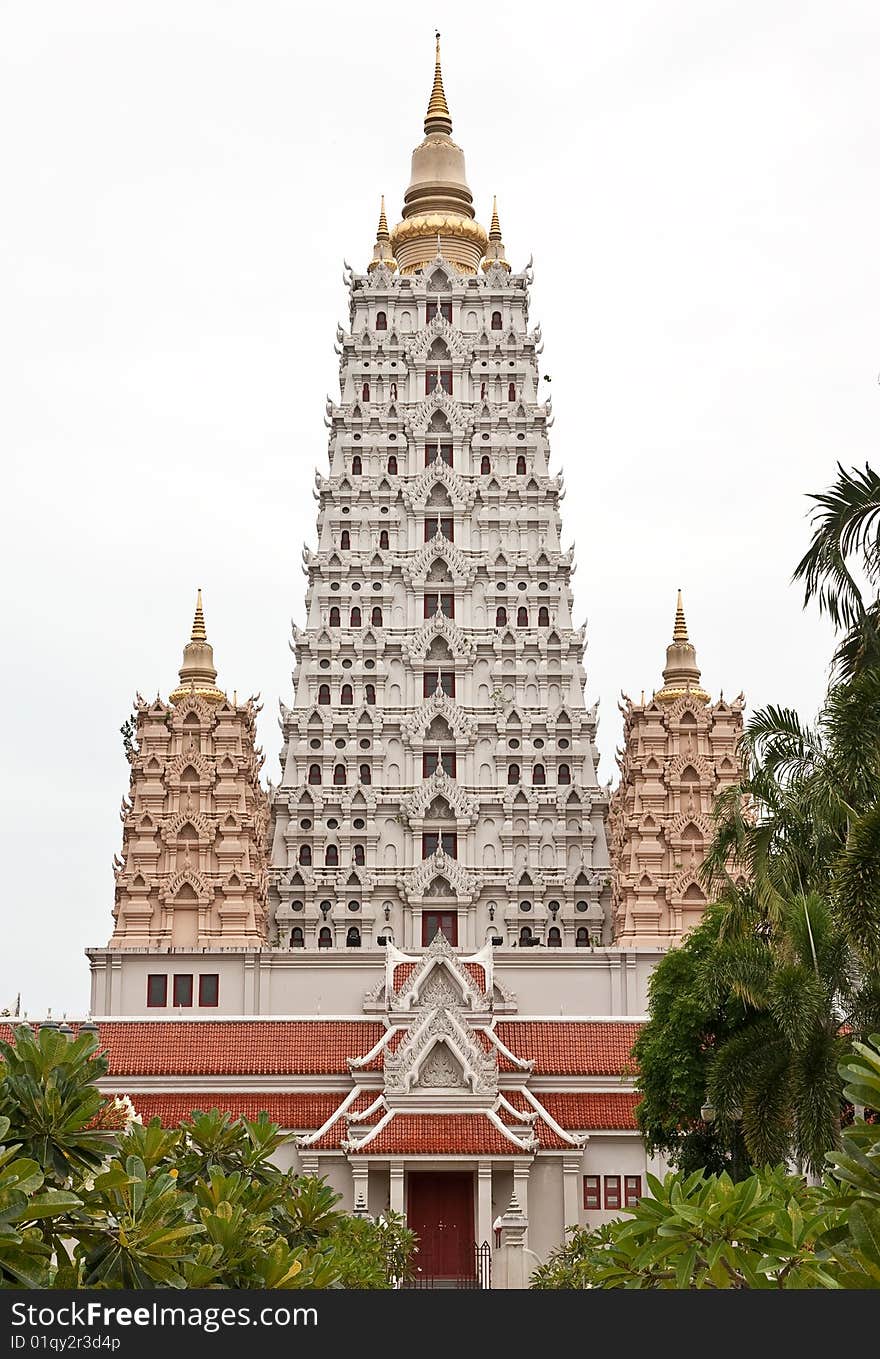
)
(495, 228)
(382, 249)
(679, 632)
(495, 248)
(197, 674)
(682, 674)
(438, 118)
(198, 629)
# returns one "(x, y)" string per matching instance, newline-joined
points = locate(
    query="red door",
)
(441, 1213)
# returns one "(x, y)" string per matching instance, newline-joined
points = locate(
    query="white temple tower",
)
(439, 760)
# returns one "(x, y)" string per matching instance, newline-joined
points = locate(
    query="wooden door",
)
(441, 1212)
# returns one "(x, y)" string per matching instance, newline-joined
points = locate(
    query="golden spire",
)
(438, 118)
(495, 248)
(198, 629)
(197, 674)
(679, 631)
(682, 674)
(382, 249)
(495, 228)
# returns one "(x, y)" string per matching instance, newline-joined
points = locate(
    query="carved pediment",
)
(415, 648)
(438, 473)
(438, 548)
(441, 705)
(416, 348)
(441, 1029)
(457, 415)
(441, 785)
(439, 865)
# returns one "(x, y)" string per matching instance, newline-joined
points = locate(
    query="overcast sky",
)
(181, 182)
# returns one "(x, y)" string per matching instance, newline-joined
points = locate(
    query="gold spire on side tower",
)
(495, 248)
(382, 249)
(197, 674)
(682, 674)
(438, 207)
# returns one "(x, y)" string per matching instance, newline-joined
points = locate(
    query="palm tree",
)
(847, 525)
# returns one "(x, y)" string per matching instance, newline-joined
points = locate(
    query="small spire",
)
(198, 629)
(382, 232)
(679, 632)
(382, 249)
(438, 118)
(495, 228)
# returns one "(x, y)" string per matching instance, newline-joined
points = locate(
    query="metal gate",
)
(479, 1277)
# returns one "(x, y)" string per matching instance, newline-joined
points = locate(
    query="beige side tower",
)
(193, 867)
(680, 751)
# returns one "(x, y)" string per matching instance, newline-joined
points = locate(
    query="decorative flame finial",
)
(199, 633)
(438, 118)
(495, 248)
(679, 632)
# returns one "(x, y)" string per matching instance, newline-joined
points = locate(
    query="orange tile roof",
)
(582, 1112)
(304, 1111)
(228, 1047)
(441, 1134)
(569, 1047)
(403, 972)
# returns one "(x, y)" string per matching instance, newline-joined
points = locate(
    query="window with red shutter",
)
(209, 989)
(612, 1191)
(157, 990)
(183, 989)
(632, 1190)
(592, 1191)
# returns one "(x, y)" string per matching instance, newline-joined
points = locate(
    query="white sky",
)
(180, 183)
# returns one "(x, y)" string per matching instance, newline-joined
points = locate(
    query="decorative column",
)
(484, 1202)
(571, 1175)
(360, 1179)
(397, 1202)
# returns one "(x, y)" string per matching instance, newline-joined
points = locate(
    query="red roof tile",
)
(227, 1047)
(581, 1112)
(442, 1134)
(303, 1111)
(404, 971)
(569, 1048)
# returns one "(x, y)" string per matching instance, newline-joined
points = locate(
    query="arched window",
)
(381, 321)
(346, 698)
(500, 616)
(314, 773)
(331, 856)
(543, 617)
(356, 465)
(511, 391)
(366, 776)
(325, 937)
(324, 694)
(365, 392)
(539, 777)
(359, 856)
(513, 773)
(525, 936)
(353, 937)
(554, 937)
(521, 465)
(339, 774)
(563, 774)
(485, 465)
(392, 465)
(484, 390)
(370, 694)
(582, 937)
(392, 391)
(522, 617)
(297, 938)
(496, 320)
(376, 616)
(383, 539)
(334, 616)
(305, 855)
(354, 618)
(345, 541)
